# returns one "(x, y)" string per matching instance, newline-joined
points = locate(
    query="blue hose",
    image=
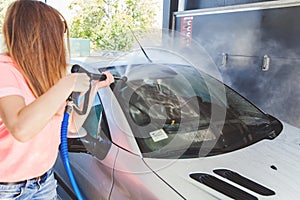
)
(64, 151)
(65, 123)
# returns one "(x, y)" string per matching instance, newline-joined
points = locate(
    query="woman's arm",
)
(76, 120)
(25, 121)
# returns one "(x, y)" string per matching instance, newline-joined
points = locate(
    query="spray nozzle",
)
(78, 69)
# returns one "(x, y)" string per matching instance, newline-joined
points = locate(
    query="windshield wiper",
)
(254, 121)
(185, 126)
(190, 152)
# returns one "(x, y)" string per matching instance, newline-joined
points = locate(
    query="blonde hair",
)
(34, 36)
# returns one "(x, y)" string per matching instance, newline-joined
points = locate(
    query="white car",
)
(170, 131)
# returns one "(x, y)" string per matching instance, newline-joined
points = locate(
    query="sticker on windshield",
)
(158, 135)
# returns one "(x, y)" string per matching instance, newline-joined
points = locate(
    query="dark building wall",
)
(246, 36)
(198, 4)
(169, 7)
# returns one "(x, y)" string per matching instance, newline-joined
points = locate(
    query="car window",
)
(98, 134)
(178, 111)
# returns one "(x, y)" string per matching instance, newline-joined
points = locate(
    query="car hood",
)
(269, 169)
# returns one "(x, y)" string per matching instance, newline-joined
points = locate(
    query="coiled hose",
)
(64, 150)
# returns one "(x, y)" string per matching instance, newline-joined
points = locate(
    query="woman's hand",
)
(76, 120)
(78, 82)
(81, 81)
(109, 79)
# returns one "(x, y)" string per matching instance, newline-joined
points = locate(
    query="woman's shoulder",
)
(8, 69)
(11, 79)
(4, 58)
(7, 64)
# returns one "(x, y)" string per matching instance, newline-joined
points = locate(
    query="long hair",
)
(34, 36)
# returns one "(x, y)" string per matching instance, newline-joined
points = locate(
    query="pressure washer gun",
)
(74, 96)
(65, 123)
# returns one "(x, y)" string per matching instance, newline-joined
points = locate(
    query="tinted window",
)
(178, 111)
(97, 142)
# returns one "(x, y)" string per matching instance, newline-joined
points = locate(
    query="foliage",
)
(3, 6)
(106, 22)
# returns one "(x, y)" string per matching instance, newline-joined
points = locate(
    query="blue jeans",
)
(33, 189)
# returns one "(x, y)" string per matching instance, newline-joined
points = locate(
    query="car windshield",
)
(177, 111)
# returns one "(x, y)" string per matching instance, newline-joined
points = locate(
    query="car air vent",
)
(222, 186)
(243, 181)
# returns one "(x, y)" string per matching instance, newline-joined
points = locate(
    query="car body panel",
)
(121, 132)
(95, 185)
(272, 163)
(123, 172)
(133, 179)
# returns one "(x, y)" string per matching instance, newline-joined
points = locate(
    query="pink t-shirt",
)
(21, 161)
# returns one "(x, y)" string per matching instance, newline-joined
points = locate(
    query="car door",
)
(91, 157)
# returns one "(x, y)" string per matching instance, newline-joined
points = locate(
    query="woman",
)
(33, 90)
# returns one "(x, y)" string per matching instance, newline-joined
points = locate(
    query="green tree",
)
(107, 23)
(3, 7)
